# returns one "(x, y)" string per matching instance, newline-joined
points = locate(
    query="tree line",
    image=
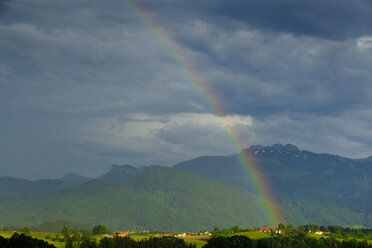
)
(127, 242)
(23, 241)
(283, 241)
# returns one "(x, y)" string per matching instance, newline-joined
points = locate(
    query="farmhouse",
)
(269, 228)
(321, 233)
(121, 234)
(182, 234)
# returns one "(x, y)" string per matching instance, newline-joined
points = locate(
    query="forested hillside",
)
(321, 188)
(201, 193)
(157, 198)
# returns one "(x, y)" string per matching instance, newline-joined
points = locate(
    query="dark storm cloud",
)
(321, 134)
(84, 84)
(264, 73)
(267, 57)
(333, 19)
(330, 19)
(71, 57)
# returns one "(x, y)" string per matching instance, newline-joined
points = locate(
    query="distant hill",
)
(57, 226)
(72, 179)
(303, 182)
(15, 187)
(200, 193)
(156, 198)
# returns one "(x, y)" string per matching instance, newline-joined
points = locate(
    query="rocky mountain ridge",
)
(307, 187)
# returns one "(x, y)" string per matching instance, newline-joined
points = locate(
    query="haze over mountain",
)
(13, 187)
(308, 188)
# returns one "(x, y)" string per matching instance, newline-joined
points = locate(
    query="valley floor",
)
(199, 241)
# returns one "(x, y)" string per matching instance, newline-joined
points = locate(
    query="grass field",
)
(141, 236)
(6, 234)
(340, 239)
(200, 241)
(38, 235)
(368, 240)
(253, 235)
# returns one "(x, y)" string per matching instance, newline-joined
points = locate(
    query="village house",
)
(321, 233)
(159, 235)
(267, 228)
(181, 234)
(121, 234)
(271, 228)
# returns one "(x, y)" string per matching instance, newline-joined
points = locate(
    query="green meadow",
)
(56, 238)
(252, 235)
(39, 235)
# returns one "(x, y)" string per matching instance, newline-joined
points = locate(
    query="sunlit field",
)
(199, 241)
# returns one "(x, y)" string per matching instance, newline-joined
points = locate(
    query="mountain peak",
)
(118, 173)
(115, 169)
(274, 149)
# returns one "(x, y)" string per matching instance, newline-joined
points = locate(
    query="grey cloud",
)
(330, 19)
(40, 146)
(82, 73)
(72, 73)
(259, 73)
(205, 140)
(342, 135)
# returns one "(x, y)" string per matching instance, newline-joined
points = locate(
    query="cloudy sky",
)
(88, 83)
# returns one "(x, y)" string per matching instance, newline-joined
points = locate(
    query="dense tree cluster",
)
(126, 242)
(100, 229)
(23, 241)
(228, 231)
(283, 241)
(346, 232)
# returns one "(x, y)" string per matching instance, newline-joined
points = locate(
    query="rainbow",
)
(259, 185)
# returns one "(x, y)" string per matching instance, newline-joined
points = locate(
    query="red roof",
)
(267, 228)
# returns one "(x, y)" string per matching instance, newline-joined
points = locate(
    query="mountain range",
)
(15, 187)
(200, 193)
